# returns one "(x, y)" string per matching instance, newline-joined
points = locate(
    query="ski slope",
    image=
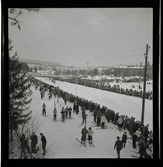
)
(61, 137)
(125, 105)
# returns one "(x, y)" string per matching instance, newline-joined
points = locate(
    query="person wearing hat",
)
(146, 132)
(44, 109)
(34, 141)
(118, 146)
(63, 114)
(84, 116)
(124, 139)
(103, 121)
(90, 133)
(120, 122)
(43, 139)
(84, 135)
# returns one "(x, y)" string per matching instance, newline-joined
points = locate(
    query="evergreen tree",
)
(25, 67)
(19, 92)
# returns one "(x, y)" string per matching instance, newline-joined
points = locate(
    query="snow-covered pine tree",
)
(19, 99)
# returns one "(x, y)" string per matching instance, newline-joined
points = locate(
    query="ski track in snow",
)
(61, 137)
(124, 104)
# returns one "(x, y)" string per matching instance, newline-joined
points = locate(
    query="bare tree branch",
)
(13, 11)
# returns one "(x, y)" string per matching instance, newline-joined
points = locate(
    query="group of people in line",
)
(140, 134)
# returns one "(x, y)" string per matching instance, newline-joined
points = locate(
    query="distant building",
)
(133, 71)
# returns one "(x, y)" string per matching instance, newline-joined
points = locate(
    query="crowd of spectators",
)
(140, 134)
(115, 88)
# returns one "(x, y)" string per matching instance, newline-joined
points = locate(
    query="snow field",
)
(123, 85)
(125, 105)
(61, 137)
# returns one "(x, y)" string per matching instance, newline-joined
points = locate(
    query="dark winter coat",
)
(131, 124)
(118, 145)
(34, 139)
(84, 134)
(43, 139)
(95, 112)
(124, 138)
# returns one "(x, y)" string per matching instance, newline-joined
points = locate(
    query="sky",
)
(75, 36)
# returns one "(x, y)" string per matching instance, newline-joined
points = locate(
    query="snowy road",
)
(127, 105)
(61, 137)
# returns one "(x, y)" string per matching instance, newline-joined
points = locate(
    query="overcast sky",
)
(75, 36)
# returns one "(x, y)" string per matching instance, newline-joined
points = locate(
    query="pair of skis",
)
(90, 143)
(81, 124)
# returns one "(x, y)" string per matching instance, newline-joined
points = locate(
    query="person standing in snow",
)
(83, 110)
(66, 111)
(118, 146)
(84, 116)
(134, 139)
(69, 111)
(125, 123)
(138, 134)
(50, 95)
(120, 122)
(34, 141)
(146, 132)
(150, 137)
(124, 139)
(131, 124)
(54, 114)
(95, 114)
(103, 121)
(84, 135)
(98, 117)
(24, 145)
(142, 147)
(44, 109)
(43, 139)
(76, 107)
(63, 114)
(90, 133)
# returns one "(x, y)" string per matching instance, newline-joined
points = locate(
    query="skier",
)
(34, 141)
(84, 135)
(66, 111)
(84, 116)
(95, 114)
(120, 122)
(44, 109)
(43, 139)
(76, 107)
(69, 111)
(118, 146)
(83, 110)
(90, 133)
(63, 114)
(54, 114)
(50, 95)
(124, 139)
(98, 117)
(103, 120)
(42, 94)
